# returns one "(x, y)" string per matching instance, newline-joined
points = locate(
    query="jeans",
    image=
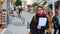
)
(58, 29)
(55, 30)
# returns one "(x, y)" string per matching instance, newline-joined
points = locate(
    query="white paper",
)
(42, 21)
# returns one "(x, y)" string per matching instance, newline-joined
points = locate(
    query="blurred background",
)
(16, 15)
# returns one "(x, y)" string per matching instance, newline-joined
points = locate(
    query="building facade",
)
(7, 3)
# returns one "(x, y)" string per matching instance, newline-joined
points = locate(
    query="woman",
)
(34, 27)
(49, 30)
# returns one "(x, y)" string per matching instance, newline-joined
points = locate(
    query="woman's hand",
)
(38, 27)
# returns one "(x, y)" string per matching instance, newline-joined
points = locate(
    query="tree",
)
(18, 2)
(36, 4)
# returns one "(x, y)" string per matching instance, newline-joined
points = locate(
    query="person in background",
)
(14, 8)
(19, 11)
(34, 27)
(45, 6)
(55, 21)
(49, 30)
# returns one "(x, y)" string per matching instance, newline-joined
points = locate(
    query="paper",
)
(42, 21)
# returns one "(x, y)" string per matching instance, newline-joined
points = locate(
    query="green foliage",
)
(18, 2)
(36, 4)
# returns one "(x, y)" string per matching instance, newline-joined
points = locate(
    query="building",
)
(7, 3)
(10, 4)
(3, 13)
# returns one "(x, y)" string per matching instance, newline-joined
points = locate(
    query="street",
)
(16, 15)
(16, 25)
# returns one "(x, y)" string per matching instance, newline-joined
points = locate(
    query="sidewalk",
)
(15, 20)
(2, 31)
(16, 26)
(13, 29)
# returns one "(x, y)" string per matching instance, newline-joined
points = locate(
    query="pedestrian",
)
(49, 30)
(19, 11)
(34, 27)
(14, 8)
(55, 21)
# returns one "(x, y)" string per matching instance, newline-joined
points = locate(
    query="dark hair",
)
(50, 6)
(39, 7)
(44, 2)
(49, 13)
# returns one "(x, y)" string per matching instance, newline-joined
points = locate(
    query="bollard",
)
(28, 25)
(23, 20)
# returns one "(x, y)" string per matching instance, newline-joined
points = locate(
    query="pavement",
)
(25, 17)
(13, 29)
(16, 25)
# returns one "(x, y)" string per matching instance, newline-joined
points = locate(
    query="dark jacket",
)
(34, 23)
(20, 10)
(55, 21)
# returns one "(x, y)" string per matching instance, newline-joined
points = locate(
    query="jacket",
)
(55, 21)
(50, 24)
(34, 23)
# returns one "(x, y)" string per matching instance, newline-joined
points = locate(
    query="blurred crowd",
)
(53, 21)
